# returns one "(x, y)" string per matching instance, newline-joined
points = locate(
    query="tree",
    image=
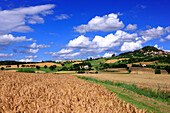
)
(38, 67)
(113, 55)
(52, 68)
(2, 68)
(167, 68)
(45, 66)
(18, 65)
(91, 59)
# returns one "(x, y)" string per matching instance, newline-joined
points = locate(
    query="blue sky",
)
(76, 29)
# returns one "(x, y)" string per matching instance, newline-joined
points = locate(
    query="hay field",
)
(141, 80)
(37, 93)
(36, 64)
(115, 60)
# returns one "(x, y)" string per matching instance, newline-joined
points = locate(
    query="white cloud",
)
(35, 19)
(106, 23)
(162, 40)
(6, 39)
(156, 45)
(62, 17)
(131, 27)
(168, 29)
(26, 60)
(31, 57)
(141, 6)
(15, 20)
(65, 51)
(84, 46)
(167, 37)
(81, 41)
(153, 33)
(107, 55)
(35, 46)
(6, 55)
(131, 46)
(26, 51)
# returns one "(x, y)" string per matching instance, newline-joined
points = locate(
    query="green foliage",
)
(45, 66)
(2, 68)
(81, 71)
(27, 70)
(52, 68)
(157, 71)
(37, 67)
(167, 68)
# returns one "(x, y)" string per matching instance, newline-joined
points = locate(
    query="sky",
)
(36, 30)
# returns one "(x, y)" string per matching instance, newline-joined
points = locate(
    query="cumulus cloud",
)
(35, 46)
(81, 41)
(131, 27)
(167, 37)
(153, 33)
(7, 39)
(15, 20)
(120, 41)
(82, 45)
(167, 29)
(131, 46)
(6, 55)
(106, 23)
(26, 51)
(31, 57)
(107, 55)
(26, 60)
(62, 17)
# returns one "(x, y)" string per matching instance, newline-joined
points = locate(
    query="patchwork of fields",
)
(25, 92)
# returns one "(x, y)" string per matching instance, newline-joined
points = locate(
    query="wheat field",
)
(42, 93)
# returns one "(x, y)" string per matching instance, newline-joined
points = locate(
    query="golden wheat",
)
(23, 92)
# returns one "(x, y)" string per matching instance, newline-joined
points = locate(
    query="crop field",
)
(28, 92)
(36, 64)
(115, 60)
(152, 81)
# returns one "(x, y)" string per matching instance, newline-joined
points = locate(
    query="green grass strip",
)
(128, 97)
(157, 95)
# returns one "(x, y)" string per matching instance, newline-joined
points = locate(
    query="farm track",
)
(25, 92)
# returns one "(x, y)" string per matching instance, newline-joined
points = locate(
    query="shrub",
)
(27, 70)
(157, 71)
(38, 67)
(2, 68)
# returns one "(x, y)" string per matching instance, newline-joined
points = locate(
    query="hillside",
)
(145, 51)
